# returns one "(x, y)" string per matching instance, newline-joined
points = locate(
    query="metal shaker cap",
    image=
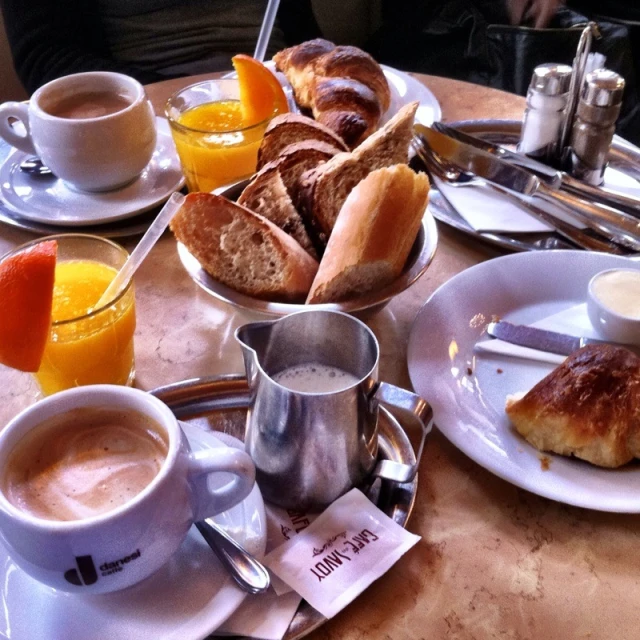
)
(551, 79)
(603, 88)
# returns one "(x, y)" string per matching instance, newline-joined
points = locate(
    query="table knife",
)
(619, 226)
(540, 339)
(553, 179)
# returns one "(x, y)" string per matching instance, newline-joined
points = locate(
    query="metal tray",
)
(623, 155)
(221, 403)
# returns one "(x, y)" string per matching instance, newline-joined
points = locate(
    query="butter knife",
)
(541, 339)
(553, 179)
(620, 227)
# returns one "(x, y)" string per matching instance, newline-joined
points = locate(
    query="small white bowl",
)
(611, 322)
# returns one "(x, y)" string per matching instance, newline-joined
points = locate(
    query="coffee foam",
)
(84, 463)
(315, 378)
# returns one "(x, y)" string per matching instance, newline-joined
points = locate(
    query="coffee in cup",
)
(94, 130)
(84, 463)
(89, 104)
(99, 487)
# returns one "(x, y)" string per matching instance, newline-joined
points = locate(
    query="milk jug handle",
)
(409, 402)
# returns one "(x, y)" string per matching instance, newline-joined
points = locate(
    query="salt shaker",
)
(594, 125)
(546, 101)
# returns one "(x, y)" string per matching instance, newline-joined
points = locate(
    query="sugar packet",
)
(331, 562)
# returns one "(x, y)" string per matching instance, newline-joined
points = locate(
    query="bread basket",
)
(366, 305)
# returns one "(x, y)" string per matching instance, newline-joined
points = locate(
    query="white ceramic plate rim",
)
(467, 391)
(84, 209)
(249, 514)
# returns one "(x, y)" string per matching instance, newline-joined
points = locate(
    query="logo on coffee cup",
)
(86, 573)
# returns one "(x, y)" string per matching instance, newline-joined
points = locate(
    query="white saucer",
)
(51, 201)
(190, 597)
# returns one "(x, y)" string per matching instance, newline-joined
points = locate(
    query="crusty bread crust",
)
(588, 407)
(242, 249)
(324, 190)
(289, 128)
(373, 235)
(271, 191)
(267, 196)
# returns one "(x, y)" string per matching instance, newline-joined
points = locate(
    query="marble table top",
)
(495, 561)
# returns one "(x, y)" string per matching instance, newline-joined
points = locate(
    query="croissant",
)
(588, 407)
(343, 86)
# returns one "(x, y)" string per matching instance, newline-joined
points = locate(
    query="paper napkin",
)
(573, 321)
(351, 544)
(486, 209)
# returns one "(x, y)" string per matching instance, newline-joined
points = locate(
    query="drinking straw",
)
(265, 29)
(155, 230)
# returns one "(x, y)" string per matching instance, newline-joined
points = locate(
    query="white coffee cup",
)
(122, 546)
(89, 153)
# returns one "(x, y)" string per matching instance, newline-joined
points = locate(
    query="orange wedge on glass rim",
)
(261, 95)
(26, 291)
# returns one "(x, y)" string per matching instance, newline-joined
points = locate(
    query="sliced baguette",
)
(373, 235)
(267, 196)
(264, 194)
(289, 128)
(323, 190)
(242, 249)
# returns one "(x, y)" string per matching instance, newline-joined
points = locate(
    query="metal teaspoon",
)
(249, 574)
(34, 167)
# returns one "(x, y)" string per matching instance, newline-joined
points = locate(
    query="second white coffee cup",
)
(90, 148)
(121, 546)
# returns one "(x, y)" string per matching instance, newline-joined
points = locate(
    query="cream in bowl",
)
(613, 305)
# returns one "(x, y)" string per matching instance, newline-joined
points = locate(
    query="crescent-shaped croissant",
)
(343, 86)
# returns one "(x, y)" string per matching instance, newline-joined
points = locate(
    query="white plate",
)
(51, 201)
(403, 87)
(191, 596)
(467, 391)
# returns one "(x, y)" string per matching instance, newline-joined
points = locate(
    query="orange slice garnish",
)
(26, 291)
(261, 95)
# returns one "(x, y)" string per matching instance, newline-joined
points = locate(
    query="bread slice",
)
(264, 194)
(323, 190)
(267, 196)
(242, 249)
(373, 235)
(300, 157)
(289, 128)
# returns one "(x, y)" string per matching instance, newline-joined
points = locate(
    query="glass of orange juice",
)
(214, 144)
(87, 345)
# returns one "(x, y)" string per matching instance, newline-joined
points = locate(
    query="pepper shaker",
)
(547, 99)
(594, 125)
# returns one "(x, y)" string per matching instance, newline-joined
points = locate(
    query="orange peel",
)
(261, 94)
(26, 291)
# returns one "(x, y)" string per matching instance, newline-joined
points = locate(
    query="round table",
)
(494, 561)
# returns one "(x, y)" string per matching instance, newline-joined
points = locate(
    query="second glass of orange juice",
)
(88, 345)
(214, 145)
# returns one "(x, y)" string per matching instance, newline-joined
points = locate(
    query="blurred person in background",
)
(495, 43)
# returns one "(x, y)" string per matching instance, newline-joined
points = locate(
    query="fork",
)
(452, 175)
